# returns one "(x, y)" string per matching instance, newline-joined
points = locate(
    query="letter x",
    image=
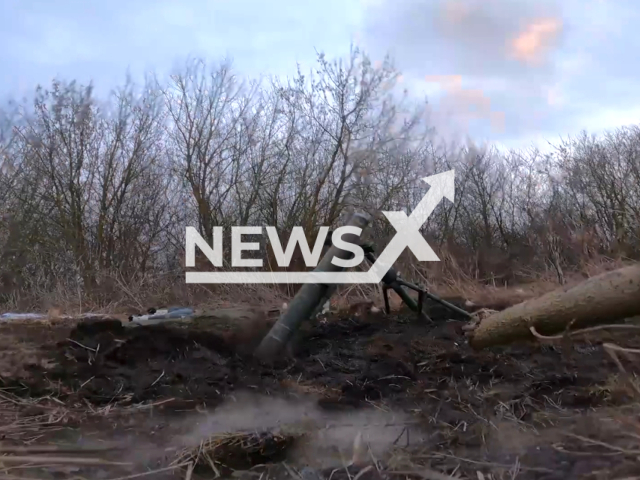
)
(409, 235)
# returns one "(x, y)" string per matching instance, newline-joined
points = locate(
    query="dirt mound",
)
(502, 406)
(349, 362)
(105, 362)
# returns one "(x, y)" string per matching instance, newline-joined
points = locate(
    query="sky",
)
(512, 72)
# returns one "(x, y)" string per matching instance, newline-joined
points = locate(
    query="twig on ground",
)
(157, 379)
(425, 473)
(600, 443)
(59, 460)
(612, 346)
(82, 346)
(487, 464)
(611, 349)
(582, 331)
(189, 473)
(160, 470)
(52, 449)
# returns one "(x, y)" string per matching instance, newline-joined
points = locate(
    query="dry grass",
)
(233, 453)
(498, 296)
(29, 425)
(136, 298)
(236, 451)
(27, 422)
(309, 388)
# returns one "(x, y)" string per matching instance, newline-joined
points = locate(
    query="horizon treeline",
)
(95, 192)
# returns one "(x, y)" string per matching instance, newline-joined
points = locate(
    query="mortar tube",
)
(332, 287)
(308, 297)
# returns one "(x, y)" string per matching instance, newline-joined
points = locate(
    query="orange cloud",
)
(534, 41)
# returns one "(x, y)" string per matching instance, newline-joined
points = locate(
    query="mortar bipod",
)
(392, 280)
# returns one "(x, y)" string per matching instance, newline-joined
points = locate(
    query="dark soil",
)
(384, 359)
(464, 397)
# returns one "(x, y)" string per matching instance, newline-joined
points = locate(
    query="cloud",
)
(536, 65)
(485, 55)
(458, 37)
(500, 70)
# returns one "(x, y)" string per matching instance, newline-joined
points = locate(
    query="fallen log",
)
(606, 298)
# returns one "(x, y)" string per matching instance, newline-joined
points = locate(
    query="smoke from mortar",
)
(327, 437)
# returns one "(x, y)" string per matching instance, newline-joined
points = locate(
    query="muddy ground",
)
(421, 398)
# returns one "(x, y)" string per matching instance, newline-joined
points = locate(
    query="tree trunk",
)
(603, 299)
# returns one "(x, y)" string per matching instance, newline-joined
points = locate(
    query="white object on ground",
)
(326, 308)
(21, 316)
(163, 315)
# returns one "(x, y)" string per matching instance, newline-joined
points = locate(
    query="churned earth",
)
(397, 396)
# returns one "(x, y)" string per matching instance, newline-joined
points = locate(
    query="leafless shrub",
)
(95, 194)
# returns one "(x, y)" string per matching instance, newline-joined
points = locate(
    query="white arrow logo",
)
(408, 228)
(442, 185)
